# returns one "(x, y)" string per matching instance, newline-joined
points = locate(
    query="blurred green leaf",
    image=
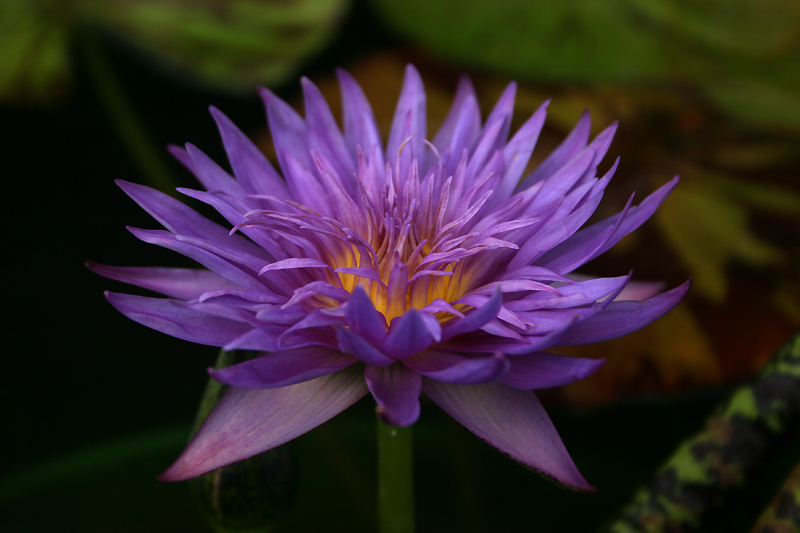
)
(743, 54)
(581, 40)
(706, 221)
(233, 44)
(34, 64)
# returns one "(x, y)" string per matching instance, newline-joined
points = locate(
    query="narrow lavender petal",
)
(551, 337)
(263, 339)
(172, 214)
(517, 154)
(622, 317)
(360, 128)
(464, 91)
(544, 370)
(551, 235)
(560, 183)
(641, 290)
(635, 217)
(176, 319)
(571, 295)
(182, 156)
(250, 167)
(355, 344)
(512, 421)
(211, 175)
(288, 132)
(304, 185)
(464, 135)
(451, 367)
(574, 143)
(409, 120)
(600, 145)
(396, 388)
(182, 283)
(234, 273)
(281, 369)
(320, 319)
(324, 136)
(408, 335)
(249, 421)
(502, 112)
(317, 288)
(476, 319)
(573, 258)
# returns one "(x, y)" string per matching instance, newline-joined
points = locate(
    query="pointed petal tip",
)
(411, 70)
(265, 94)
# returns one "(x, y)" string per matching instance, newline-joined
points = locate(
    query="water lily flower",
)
(433, 267)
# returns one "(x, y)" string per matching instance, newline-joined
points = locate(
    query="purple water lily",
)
(429, 267)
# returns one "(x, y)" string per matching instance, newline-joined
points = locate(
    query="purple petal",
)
(512, 421)
(552, 234)
(352, 343)
(544, 370)
(459, 114)
(249, 421)
(288, 132)
(560, 183)
(455, 368)
(280, 369)
(172, 214)
(237, 274)
(476, 319)
(249, 165)
(409, 121)
(574, 143)
(408, 335)
(263, 339)
(502, 113)
(211, 175)
(464, 135)
(324, 136)
(176, 319)
(396, 388)
(360, 128)
(517, 154)
(634, 218)
(182, 283)
(600, 145)
(182, 156)
(622, 317)
(640, 290)
(364, 319)
(571, 295)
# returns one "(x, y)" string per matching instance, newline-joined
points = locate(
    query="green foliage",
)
(230, 44)
(743, 54)
(706, 220)
(234, 44)
(34, 64)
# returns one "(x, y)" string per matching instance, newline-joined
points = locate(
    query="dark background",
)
(81, 380)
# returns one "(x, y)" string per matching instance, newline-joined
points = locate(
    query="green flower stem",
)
(395, 479)
(122, 115)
